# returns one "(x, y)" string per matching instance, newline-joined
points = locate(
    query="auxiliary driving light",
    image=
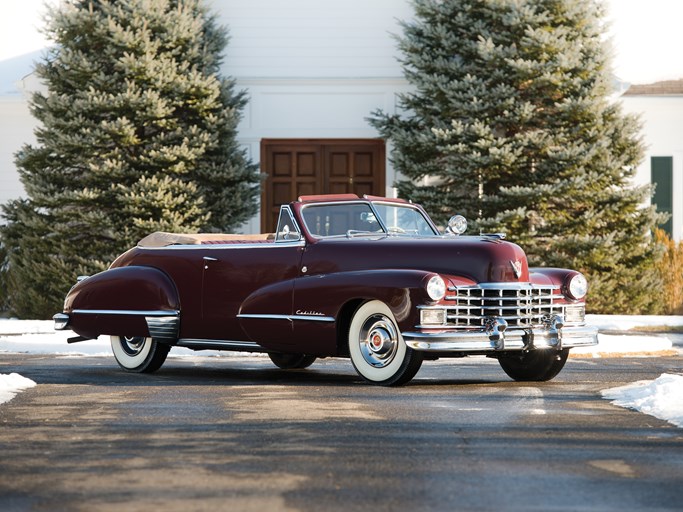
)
(432, 316)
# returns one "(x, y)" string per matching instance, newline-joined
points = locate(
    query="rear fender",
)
(125, 301)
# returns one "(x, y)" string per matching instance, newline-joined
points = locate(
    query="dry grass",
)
(670, 268)
(658, 328)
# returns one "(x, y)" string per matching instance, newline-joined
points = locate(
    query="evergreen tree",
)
(510, 123)
(137, 134)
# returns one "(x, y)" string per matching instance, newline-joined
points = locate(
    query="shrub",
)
(670, 268)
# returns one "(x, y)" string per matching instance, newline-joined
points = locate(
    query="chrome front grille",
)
(521, 305)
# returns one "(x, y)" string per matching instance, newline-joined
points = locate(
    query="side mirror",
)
(457, 225)
(368, 217)
(288, 234)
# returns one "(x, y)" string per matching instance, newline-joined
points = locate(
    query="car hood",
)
(481, 259)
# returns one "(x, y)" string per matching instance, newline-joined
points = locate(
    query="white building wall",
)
(313, 68)
(312, 38)
(662, 118)
(16, 129)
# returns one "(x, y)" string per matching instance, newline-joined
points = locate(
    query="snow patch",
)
(627, 322)
(12, 384)
(661, 398)
(627, 344)
(13, 326)
(39, 337)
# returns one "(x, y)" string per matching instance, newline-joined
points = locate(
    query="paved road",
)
(236, 434)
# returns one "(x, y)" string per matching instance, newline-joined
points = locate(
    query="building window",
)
(662, 177)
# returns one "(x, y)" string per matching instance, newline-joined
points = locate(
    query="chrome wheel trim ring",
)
(378, 341)
(132, 345)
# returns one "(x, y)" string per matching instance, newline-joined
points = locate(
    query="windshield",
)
(404, 220)
(340, 219)
(350, 219)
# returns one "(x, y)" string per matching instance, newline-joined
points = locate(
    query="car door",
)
(247, 288)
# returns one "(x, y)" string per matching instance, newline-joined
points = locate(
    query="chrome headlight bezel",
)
(436, 288)
(577, 287)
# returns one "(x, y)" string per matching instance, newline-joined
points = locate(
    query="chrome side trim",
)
(172, 312)
(311, 318)
(240, 346)
(213, 247)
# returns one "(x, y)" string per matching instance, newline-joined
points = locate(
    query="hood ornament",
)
(516, 268)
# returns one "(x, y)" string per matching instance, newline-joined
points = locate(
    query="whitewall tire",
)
(377, 349)
(139, 354)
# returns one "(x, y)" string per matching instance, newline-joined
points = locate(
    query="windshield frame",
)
(372, 204)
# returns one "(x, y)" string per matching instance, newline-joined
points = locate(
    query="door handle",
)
(207, 259)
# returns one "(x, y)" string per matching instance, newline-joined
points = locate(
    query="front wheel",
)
(377, 349)
(139, 354)
(537, 365)
(291, 361)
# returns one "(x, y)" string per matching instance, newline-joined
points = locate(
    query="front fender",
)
(124, 301)
(325, 294)
(305, 312)
(556, 276)
(400, 290)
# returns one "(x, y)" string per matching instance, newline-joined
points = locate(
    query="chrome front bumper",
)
(495, 337)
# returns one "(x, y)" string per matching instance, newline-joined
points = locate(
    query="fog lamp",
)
(575, 314)
(432, 316)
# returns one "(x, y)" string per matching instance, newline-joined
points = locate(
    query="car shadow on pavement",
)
(103, 371)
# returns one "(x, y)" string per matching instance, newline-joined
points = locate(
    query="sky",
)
(645, 35)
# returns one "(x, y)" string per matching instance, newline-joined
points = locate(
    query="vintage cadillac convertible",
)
(371, 279)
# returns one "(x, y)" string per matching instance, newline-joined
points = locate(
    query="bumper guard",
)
(495, 337)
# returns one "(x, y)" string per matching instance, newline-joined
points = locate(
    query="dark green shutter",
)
(662, 176)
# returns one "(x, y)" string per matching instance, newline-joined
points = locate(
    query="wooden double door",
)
(299, 167)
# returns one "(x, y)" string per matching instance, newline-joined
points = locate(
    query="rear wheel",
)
(536, 365)
(291, 361)
(377, 349)
(139, 354)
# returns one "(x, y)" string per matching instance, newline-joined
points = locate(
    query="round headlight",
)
(436, 288)
(578, 287)
(457, 224)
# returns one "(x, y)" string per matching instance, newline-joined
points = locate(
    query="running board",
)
(239, 346)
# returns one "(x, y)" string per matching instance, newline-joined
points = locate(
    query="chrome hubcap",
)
(132, 345)
(378, 341)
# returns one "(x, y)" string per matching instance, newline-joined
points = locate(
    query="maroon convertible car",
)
(371, 279)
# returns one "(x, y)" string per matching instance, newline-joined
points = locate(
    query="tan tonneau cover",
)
(162, 239)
